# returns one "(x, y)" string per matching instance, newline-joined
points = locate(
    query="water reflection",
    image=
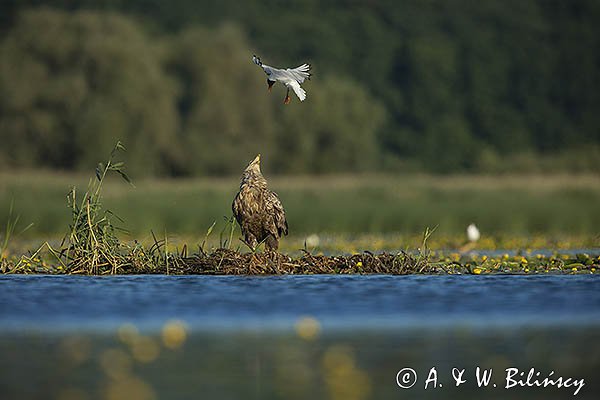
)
(351, 365)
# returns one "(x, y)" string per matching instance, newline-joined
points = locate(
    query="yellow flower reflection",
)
(174, 334)
(308, 328)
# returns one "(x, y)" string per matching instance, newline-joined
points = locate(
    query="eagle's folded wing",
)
(278, 214)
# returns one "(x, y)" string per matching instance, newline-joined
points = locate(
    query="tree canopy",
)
(434, 85)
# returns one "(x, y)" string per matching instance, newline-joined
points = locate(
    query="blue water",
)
(276, 302)
(59, 334)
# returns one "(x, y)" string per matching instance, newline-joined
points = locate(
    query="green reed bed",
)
(557, 207)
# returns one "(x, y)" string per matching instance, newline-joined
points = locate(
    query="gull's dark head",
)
(270, 83)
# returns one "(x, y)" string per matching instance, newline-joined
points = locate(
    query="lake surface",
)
(293, 337)
(276, 302)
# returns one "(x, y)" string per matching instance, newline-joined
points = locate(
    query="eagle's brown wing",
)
(236, 208)
(278, 213)
(242, 207)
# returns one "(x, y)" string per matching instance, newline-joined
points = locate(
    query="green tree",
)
(226, 117)
(511, 78)
(73, 84)
(335, 129)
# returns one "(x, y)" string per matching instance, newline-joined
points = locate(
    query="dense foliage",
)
(437, 85)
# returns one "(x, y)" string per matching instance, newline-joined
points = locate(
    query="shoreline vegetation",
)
(95, 243)
(231, 262)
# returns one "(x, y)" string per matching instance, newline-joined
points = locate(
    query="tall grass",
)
(92, 243)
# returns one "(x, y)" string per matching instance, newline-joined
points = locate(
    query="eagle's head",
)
(252, 174)
(254, 164)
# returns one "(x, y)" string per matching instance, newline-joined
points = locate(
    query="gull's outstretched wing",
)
(301, 93)
(299, 73)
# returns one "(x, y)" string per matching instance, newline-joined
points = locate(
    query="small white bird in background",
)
(312, 241)
(473, 233)
(291, 78)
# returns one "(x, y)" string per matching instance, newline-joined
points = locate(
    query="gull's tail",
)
(301, 93)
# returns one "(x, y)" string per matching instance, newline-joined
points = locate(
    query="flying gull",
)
(291, 78)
